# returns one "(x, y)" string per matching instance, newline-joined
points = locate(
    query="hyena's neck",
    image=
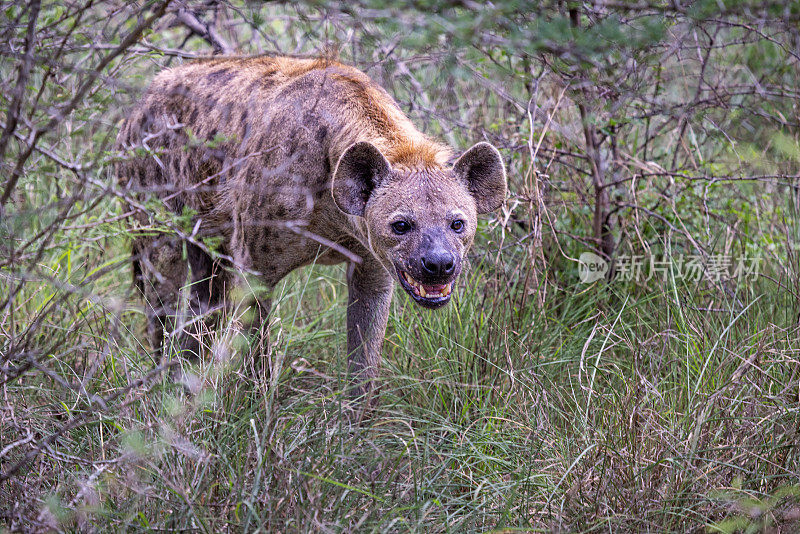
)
(404, 147)
(359, 231)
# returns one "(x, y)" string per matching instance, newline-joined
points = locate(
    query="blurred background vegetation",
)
(662, 131)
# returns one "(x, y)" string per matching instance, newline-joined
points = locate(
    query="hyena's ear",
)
(482, 168)
(361, 169)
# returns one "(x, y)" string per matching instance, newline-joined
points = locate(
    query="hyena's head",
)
(422, 222)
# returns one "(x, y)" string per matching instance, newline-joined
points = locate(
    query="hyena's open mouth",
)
(428, 295)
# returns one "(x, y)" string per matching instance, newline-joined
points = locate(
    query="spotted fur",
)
(289, 162)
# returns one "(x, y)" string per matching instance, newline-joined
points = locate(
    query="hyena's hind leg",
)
(251, 304)
(182, 289)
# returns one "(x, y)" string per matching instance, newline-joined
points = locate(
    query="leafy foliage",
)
(663, 402)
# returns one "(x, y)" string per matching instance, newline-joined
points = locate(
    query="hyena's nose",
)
(438, 263)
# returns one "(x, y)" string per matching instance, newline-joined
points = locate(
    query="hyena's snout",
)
(430, 272)
(438, 264)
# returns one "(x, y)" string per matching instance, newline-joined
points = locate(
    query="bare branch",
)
(206, 31)
(24, 72)
(36, 134)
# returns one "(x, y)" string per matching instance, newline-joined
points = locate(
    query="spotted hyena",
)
(286, 162)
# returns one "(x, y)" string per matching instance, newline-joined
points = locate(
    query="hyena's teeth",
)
(417, 287)
(411, 281)
(438, 290)
(433, 291)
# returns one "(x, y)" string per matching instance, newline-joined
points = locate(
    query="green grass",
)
(610, 408)
(531, 403)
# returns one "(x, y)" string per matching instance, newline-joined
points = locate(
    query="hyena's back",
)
(276, 123)
(208, 123)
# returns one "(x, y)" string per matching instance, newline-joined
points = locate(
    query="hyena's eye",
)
(457, 225)
(401, 227)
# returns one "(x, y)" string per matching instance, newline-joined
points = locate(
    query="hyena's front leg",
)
(370, 294)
